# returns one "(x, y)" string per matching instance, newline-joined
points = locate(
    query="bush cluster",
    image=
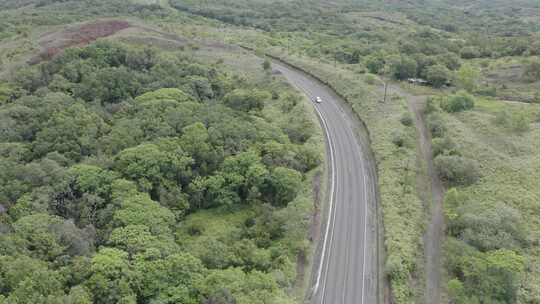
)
(461, 101)
(451, 166)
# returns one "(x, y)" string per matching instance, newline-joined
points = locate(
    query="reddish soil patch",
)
(54, 43)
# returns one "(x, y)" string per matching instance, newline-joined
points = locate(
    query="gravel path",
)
(434, 235)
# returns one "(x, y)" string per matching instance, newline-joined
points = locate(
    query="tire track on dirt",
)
(435, 232)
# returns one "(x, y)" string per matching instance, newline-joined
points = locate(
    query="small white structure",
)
(417, 81)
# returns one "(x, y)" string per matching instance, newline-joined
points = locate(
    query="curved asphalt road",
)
(345, 272)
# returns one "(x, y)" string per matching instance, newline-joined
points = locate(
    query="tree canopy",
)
(107, 153)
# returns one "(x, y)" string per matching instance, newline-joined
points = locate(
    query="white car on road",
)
(318, 99)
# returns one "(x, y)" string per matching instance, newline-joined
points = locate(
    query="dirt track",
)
(434, 236)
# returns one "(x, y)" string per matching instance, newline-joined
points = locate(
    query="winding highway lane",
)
(345, 268)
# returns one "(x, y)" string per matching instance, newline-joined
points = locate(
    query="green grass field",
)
(509, 185)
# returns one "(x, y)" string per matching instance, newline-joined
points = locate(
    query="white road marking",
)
(365, 222)
(332, 213)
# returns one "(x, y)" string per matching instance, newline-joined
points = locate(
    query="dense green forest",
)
(107, 149)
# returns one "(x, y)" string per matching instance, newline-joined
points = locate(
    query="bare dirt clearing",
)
(53, 43)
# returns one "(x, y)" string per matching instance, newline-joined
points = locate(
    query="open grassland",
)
(506, 78)
(494, 220)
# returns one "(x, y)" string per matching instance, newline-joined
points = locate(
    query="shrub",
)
(394, 267)
(267, 65)
(457, 170)
(430, 106)
(470, 52)
(450, 60)
(443, 146)
(7, 93)
(164, 94)
(516, 122)
(406, 119)
(456, 291)
(438, 75)
(532, 70)
(371, 79)
(195, 229)
(403, 67)
(374, 64)
(534, 48)
(484, 63)
(467, 78)
(424, 62)
(436, 125)
(489, 227)
(398, 138)
(458, 102)
(246, 100)
(285, 184)
(487, 91)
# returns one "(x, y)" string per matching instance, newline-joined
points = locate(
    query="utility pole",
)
(385, 91)
(386, 80)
